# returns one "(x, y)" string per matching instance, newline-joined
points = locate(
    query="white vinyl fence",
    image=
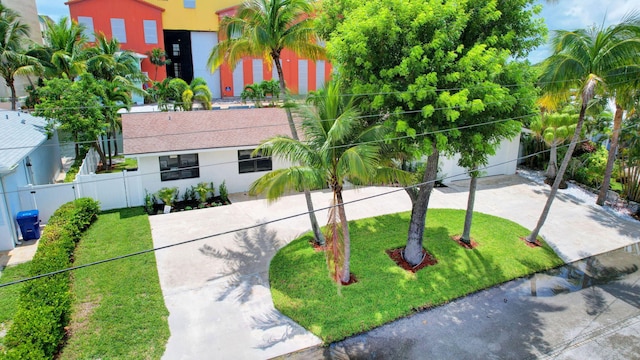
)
(113, 191)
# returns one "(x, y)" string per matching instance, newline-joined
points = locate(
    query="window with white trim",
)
(87, 22)
(118, 30)
(176, 167)
(150, 31)
(249, 164)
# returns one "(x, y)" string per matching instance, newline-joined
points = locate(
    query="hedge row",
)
(44, 306)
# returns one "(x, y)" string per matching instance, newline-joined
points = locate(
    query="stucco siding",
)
(216, 165)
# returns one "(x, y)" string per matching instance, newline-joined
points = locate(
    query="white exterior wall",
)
(216, 165)
(11, 199)
(201, 45)
(502, 163)
(45, 162)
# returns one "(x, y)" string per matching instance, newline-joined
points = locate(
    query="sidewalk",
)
(217, 289)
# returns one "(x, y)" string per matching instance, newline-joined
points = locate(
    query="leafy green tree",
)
(263, 28)
(429, 65)
(14, 58)
(253, 92)
(586, 61)
(158, 57)
(74, 107)
(337, 148)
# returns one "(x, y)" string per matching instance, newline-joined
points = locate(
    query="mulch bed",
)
(471, 246)
(531, 244)
(396, 256)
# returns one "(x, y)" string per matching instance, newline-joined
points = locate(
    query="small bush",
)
(44, 306)
(224, 194)
(592, 167)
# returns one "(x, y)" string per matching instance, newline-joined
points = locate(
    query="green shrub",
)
(44, 306)
(591, 170)
(224, 194)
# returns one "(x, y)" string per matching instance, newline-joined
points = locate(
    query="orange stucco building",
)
(187, 30)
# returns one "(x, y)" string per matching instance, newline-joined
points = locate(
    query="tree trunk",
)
(466, 233)
(611, 159)
(103, 158)
(552, 168)
(12, 86)
(115, 142)
(556, 183)
(413, 250)
(346, 271)
(319, 238)
(109, 150)
(76, 145)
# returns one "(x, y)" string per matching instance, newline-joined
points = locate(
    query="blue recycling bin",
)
(29, 224)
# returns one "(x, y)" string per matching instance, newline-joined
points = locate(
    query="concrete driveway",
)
(217, 290)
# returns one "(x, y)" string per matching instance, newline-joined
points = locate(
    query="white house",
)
(27, 156)
(182, 149)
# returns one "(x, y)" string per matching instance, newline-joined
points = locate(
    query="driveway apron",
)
(217, 291)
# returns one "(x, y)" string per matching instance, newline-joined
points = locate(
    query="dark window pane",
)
(176, 167)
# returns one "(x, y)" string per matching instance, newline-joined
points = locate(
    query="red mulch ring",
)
(316, 247)
(396, 256)
(471, 246)
(352, 280)
(531, 244)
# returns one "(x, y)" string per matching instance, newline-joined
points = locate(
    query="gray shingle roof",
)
(145, 133)
(20, 134)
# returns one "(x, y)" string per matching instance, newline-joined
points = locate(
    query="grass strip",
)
(119, 310)
(302, 290)
(9, 295)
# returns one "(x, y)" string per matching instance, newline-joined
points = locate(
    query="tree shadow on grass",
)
(247, 263)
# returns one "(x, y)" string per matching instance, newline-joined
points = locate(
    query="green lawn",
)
(9, 295)
(125, 164)
(302, 290)
(119, 311)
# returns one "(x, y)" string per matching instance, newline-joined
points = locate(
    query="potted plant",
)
(168, 196)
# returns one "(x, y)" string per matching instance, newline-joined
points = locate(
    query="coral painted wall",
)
(134, 12)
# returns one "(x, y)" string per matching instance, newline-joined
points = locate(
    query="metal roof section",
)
(20, 134)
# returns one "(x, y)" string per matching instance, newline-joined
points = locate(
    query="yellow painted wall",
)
(202, 18)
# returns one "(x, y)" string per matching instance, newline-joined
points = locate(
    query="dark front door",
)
(178, 48)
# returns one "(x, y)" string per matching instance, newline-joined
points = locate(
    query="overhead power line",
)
(398, 189)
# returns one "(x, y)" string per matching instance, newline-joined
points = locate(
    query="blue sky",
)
(565, 14)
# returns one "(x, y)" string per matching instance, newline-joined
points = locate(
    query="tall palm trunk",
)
(12, 86)
(552, 168)
(466, 233)
(420, 204)
(103, 158)
(319, 238)
(346, 239)
(611, 159)
(556, 183)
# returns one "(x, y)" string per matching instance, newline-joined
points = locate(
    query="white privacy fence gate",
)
(113, 191)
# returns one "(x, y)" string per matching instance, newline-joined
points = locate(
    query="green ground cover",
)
(302, 290)
(9, 295)
(118, 310)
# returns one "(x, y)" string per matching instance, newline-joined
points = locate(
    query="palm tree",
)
(158, 57)
(106, 60)
(188, 93)
(115, 95)
(584, 61)
(65, 53)
(263, 28)
(14, 58)
(337, 148)
(554, 129)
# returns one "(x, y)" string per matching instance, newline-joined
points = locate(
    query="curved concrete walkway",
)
(217, 292)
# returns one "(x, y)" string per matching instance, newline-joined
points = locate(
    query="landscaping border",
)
(44, 307)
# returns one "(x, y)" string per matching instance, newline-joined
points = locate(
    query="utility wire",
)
(424, 134)
(261, 224)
